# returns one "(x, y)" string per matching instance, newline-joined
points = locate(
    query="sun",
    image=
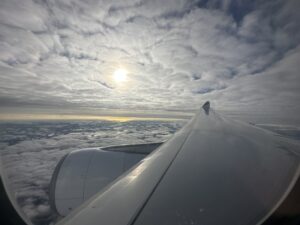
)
(120, 75)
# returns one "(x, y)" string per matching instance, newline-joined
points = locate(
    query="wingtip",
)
(206, 106)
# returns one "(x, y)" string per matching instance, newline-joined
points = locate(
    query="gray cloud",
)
(178, 54)
(30, 152)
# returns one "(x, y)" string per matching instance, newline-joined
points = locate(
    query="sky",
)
(61, 57)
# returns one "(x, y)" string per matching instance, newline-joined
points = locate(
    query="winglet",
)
(206, 107)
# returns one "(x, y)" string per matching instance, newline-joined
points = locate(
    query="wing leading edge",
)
(213, 171)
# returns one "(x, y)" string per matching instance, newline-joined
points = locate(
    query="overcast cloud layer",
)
(242, 55)
(31, 150)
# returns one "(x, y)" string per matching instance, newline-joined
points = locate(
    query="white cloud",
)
(30, 152)
(274, 92)
(178, 53)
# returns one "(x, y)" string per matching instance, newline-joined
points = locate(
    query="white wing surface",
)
(213, 171)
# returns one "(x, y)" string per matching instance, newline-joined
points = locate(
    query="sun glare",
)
(120, 75)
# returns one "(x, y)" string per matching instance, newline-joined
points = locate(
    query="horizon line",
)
(53, 117)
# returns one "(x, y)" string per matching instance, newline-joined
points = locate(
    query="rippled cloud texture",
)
(31, 150)
(61, 54)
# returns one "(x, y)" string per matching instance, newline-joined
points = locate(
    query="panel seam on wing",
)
(86, 173)
(139, 211)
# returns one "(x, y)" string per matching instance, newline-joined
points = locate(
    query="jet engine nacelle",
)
(83, 173)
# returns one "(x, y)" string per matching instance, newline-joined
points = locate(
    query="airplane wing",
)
(213, 171)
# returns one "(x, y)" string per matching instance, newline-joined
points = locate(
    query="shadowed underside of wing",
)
(213, 171)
